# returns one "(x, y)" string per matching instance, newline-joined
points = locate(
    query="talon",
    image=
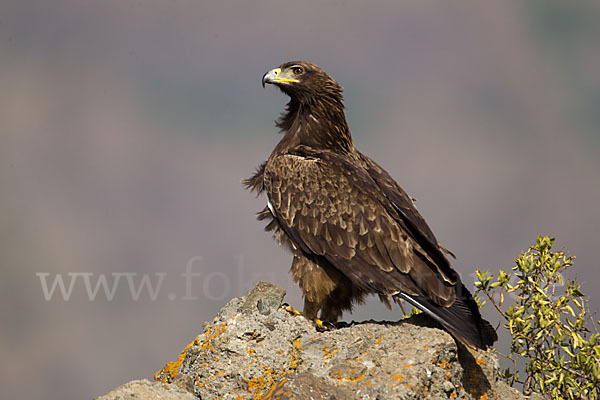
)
(290, 309)
(323, 326)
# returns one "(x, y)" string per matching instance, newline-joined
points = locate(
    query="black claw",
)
(329, 325)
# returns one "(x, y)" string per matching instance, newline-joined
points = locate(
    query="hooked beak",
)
(275, 76)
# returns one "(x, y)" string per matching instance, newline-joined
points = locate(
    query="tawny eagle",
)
(352, 229)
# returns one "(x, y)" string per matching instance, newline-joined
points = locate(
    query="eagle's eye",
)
(297, 70)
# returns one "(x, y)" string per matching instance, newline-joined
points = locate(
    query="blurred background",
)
(126, 126)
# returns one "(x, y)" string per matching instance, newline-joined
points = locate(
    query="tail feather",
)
(462, 318)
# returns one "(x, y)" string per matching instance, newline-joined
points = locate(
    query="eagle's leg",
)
(318, 280)
(309, 313)
(290, 309)
(345, 295)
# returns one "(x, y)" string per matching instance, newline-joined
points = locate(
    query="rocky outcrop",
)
(254, 349)
(146, 390)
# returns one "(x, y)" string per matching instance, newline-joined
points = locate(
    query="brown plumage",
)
(352, 229)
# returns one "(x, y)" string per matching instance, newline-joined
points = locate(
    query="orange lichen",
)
(370, 383)
(273, 379)
(205, 343)
(171, 369)
(270, 380)
(399, 378)
(361, 356)
(328, 352)
(348, 377)
(296, 350)
(275, 388)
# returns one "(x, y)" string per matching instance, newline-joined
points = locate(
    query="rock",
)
(264, 298)
(305, 386)
(253, 349)
(143, 389)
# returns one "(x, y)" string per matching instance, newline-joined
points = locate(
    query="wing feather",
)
(349, 221)
(414, 222)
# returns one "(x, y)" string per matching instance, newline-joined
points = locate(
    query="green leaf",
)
(552, 339)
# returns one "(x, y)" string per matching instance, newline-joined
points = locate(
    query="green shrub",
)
(549, 323)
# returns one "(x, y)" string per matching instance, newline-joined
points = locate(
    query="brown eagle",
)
(352, 229)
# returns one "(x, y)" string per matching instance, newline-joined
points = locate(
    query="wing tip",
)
(463, 322)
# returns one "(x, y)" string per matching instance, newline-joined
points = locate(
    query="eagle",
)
(352, 230)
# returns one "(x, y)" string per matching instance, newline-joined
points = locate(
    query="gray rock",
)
(264, 298)
(146, 390)
(253, 349)
(306, 386)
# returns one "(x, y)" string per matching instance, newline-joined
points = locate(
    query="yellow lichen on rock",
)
(170, 370)
(329, 351)
(296, 350)
(262, 387)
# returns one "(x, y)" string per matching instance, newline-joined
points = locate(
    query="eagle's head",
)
(303, 81)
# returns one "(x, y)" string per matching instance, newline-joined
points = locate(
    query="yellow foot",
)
(291, 309)
(322, 326)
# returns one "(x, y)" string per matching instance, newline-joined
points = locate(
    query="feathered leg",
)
(317, 281)
(341, 299)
